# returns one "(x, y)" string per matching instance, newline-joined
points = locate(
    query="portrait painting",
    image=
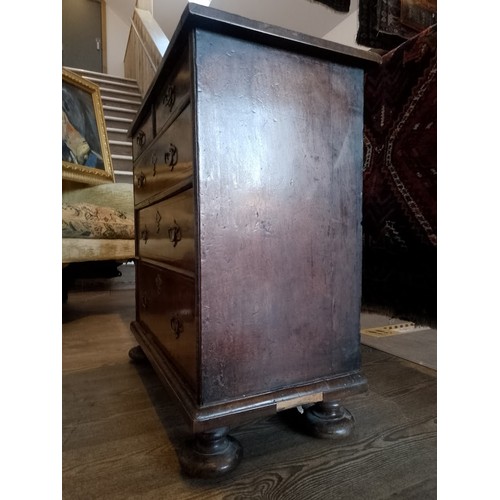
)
(85, 148)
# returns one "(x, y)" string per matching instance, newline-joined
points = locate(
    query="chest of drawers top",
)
(175, 74)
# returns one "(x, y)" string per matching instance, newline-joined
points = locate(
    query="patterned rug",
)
(400, 182)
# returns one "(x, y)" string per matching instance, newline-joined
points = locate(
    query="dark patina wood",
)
(167, 161)
(248, 299)
(166, 231)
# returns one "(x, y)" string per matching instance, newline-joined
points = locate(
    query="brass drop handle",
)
(169, 97)
(145, 234)
(176, 325)
(140, 180)
(154, 161)
(175, 233)
(141, 138)
(145, 301)
(157, 220)
(171, 156)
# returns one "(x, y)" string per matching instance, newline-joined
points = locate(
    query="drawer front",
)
(166, 305)
(143, 137)
(168, 160)
(166, 231)
(174, 93)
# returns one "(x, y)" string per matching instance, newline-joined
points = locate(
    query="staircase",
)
(121, 100)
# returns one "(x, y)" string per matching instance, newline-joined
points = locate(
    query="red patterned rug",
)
(400, 182)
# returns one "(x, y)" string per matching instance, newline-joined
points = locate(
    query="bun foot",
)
(329, 420)
(136, 354)
(210, 454)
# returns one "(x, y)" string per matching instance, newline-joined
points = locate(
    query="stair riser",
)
(111, 122)
(118, 113)
(120, 149)
(131, 109)
(120, 164)
(125, 179)
(117, 136)
(130, 100)
(102, 76)
(119, 87)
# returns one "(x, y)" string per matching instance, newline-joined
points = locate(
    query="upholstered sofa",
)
(97, 230)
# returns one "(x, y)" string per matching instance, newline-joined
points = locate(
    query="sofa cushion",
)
(86, 220)
(119, 196)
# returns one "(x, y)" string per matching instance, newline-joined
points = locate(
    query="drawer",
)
(174, 92)
(143, 136)
(167, 161)
(166, 306)
(166, 231)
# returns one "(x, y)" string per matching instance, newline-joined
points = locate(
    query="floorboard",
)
(121, 429)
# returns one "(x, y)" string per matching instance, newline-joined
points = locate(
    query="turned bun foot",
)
(329, 420)
(210, 454)
(136, 354)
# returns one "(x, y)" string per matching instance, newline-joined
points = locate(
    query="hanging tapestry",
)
(400, 182)
(340, 5)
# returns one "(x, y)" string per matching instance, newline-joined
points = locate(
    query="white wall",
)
(118, 16)
(167, 14)
(346, 31)
(307, 17)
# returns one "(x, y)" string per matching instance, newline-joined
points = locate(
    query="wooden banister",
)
(145, 48)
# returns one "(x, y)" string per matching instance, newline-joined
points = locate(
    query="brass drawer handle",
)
(141, 138)
(145, 234)
(176, 325)
(171, 156)
(140, 180)
(157, 220)
(145, 301)
(154, 161)
(175, 233)
(169, 97)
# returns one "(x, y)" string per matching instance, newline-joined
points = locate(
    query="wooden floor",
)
(121, 429)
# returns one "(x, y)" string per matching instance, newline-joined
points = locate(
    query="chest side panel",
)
(279, 180)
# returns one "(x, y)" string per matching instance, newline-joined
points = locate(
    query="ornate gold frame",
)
(102, 172)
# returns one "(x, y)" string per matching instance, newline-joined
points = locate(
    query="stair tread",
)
(102, 75)
(118, 100)
(117, 119)
(116, 108)
(122, 157)
(113, 92)
(123, 172)
(117, 130)
(116, 83)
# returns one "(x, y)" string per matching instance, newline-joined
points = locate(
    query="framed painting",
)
(85, 147)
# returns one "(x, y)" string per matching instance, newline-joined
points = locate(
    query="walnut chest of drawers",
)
(248, 185)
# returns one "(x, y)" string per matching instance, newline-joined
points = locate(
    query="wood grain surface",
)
(121, 429)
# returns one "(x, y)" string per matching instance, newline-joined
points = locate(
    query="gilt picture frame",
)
(86, 157)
